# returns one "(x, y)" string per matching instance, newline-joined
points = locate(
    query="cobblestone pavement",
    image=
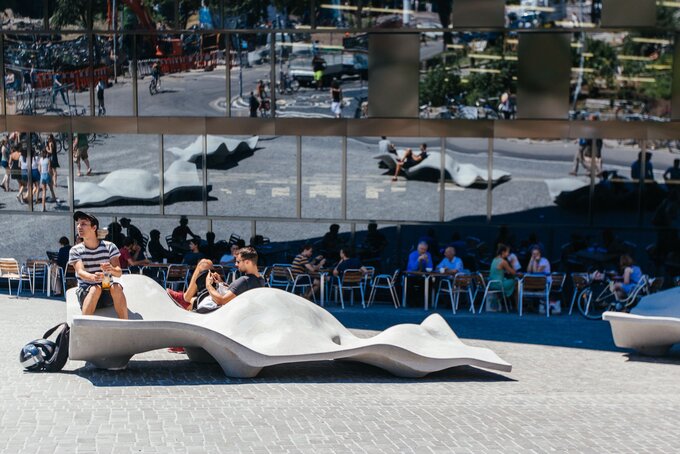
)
(570, 390)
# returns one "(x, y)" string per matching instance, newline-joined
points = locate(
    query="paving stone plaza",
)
(571, 390)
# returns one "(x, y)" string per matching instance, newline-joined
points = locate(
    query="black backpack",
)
(57, 351)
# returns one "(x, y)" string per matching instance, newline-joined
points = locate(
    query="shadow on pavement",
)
(560, 330)
(184, 372)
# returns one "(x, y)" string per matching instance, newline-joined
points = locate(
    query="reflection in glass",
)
(252, 176)
(183, 175)
(264, 14)
(116, 172)
(380, 14)
(667, 15)
(44, 233)
(250, 76)
(622, 76)
(321, 177)
(112, 78)
(24, 16)
(371, 191)
(47, 75)
(181, 75)
(544, 185)
(465, 188)
(475, 77)
(307, 67)
(552, 14)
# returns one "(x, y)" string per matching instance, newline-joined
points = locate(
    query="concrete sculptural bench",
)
(260, 328)
(428, 169)
(652, 327)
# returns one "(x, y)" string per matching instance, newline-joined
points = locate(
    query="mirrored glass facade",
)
(252, 119)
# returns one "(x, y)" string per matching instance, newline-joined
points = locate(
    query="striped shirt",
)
(300, 265)
(92, 258)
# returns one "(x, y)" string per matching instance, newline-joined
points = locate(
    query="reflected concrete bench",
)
(260, 328)
(652, 327)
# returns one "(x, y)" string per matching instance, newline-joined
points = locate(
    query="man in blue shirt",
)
(419, 259)
(450, 262)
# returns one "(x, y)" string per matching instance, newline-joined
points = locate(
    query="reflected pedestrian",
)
(54, 160)
(4, 150)
(58, 88)
(80, 152)
(253, 104)
(336, 99)
(101, 109)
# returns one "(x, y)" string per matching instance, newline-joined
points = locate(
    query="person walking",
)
(54, 160)
(4, 150)
(336, 99)
(45, 179)
(253, 104)
(58, 88)
(101, 86)
(80, 152)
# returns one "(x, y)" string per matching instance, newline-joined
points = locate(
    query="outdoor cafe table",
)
(426, 275)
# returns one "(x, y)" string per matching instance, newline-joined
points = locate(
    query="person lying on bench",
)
(202, 284)
(219, 294)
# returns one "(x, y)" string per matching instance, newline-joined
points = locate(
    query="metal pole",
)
(489, 183)
(115, 39)
(240, 66)
(161, 162)
(442, 180)
(298, 192)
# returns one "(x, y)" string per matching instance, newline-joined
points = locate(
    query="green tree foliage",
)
(438, 83)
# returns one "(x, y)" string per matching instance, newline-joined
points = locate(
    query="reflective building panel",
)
(622, 76)
(465, 185)
(183, 182)
(545, 183)
(373, 193)
(252, 176)
(180, 75)
(322, 177)
(472, 77)
(47, 74)
(117, 173)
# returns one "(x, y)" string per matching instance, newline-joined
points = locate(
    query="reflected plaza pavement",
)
(570, 390)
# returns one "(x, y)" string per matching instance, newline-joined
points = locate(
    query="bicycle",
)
(287, 84)
(607, 299)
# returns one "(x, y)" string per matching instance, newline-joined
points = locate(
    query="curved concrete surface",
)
(259, 328)
(652, 327)
(463, 175)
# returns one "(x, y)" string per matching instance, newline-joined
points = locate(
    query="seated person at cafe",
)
(420, 259)
(347, 262)
(450, 263)
(538, 264)
(95, 261)
(303, 265)
(194, 255)
(631, 277)
(131, 254)
(62, 255)
(499, 269)
(156, 250)
(229, 259)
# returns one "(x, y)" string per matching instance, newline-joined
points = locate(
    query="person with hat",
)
(95, 261)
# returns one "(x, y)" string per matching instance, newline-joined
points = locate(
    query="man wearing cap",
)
(92, 259)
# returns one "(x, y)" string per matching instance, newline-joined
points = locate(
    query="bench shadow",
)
(673, 357)
(185, 372)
